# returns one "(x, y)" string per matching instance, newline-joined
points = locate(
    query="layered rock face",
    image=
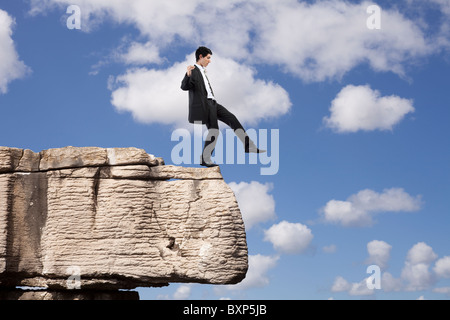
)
(113, 219)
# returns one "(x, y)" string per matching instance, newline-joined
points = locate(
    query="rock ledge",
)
(115, 218)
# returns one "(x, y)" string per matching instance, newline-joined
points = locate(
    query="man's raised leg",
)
(230, 119)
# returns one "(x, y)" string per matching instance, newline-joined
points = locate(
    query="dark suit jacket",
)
(198, 97)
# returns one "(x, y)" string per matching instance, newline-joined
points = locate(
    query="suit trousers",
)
(218, 113)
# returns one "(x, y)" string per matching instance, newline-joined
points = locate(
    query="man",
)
(204, 109)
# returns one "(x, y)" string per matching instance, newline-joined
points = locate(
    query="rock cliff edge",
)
(115, 219)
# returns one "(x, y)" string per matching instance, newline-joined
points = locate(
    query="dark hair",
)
(203, 51)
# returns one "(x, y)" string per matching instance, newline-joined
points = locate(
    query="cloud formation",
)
(326, 39)
(154, 95)
(141, 54)
(256, 203)
(442, 267)
(359, 108)
(379, 253)
(11, 67)
(183, 292)
(416, 274)
(416, 271)
(314, 41)
(290, 238)
(353, 289)
(358, 209)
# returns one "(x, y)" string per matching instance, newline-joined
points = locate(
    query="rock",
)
(19, 294)
(115, 219)
(9, 159)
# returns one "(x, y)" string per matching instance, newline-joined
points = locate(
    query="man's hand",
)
(189, 70)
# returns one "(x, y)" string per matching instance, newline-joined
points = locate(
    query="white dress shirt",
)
(207, 83)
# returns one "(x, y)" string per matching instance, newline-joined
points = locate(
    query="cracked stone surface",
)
(115, 219)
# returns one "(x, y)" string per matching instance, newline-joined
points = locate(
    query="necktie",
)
(204, 70)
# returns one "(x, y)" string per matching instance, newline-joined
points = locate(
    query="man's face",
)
(204, 61)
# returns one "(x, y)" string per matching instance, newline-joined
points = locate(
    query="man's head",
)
(203, 56)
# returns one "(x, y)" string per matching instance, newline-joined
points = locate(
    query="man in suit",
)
(204, 109)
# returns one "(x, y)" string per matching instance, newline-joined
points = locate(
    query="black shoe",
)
(208, 163)
(254, 150)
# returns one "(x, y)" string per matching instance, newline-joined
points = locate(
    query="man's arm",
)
(188, 82)
(189, 70)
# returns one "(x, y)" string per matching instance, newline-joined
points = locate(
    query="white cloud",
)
(415, 274)
(326, 39)
(161, 21)
(360, 108)
(154, 96)
(250, 99)
(291, 238)
(361, 289)
(416, 270)
(359, 209)
(255, 202)
(353, 289)
(131, 53)
(183, 292)
(314, 41)
(139, 54)
(258, 268)
(421, 253)
(418, 276)
(379, 253)
(340, 285)
(11, 68)
(442, 267)
(389, 283)
(345, 213)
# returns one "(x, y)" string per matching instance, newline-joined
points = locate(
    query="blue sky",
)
(362, 115)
